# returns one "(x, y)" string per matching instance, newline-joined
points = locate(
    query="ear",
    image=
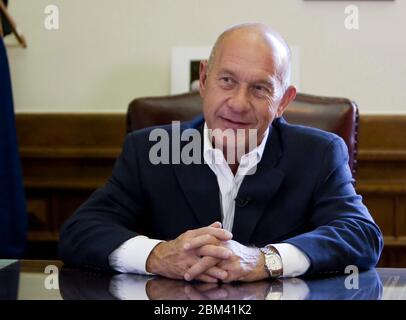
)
(289, 95)
(202, 76)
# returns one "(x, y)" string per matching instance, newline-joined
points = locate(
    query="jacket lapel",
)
(260, 188)
(200, 187)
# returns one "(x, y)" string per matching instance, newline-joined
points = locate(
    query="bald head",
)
(258, 34)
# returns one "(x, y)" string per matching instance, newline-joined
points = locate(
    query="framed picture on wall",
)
(185, 67)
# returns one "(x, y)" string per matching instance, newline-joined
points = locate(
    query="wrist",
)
(262, 272)
(152, 264)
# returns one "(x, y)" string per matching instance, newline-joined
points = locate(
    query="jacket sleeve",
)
(108, 218)
(342, 230)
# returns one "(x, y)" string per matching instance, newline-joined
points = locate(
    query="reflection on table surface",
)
(50, 280)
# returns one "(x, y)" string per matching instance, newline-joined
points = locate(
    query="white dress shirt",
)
(132, 255)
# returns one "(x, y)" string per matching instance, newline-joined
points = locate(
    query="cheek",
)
(210, 111)
(264, 114)
(213, 102)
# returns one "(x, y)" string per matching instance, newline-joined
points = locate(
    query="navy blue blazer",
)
(301, 193)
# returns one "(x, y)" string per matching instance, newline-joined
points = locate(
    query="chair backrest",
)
(337, 115)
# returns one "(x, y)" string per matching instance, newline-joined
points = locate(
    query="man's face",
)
(241, 90)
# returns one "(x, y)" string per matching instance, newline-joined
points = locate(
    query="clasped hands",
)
(207, 254)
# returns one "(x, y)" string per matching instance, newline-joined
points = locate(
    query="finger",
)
(214, 251)
(216, 224)
(200, 241)
(233, 273)
(206, 278)
(199, 268)
(217, 273)
(226, 264)
(219, 233)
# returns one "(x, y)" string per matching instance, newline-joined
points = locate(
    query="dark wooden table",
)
(39, 279)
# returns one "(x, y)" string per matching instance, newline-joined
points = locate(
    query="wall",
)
(108, 52)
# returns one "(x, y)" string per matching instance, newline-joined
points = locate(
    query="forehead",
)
(247, 57)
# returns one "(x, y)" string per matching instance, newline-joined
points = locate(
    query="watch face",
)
(274, 262)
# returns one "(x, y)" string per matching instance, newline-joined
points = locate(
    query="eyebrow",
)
(268, 83)
(227, 72)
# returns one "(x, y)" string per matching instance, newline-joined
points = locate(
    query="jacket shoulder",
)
(304, 135)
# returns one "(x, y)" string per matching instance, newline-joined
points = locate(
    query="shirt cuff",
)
(294, 261)
(132, 255)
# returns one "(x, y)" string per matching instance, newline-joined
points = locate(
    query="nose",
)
(239, 101)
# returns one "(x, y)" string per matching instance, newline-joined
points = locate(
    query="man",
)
(287, 207)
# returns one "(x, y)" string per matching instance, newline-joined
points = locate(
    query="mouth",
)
(234, 124)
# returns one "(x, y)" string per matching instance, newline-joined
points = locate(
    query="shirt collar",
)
(216, 156)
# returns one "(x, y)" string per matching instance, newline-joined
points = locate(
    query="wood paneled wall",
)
(382, 181)
(65, 157)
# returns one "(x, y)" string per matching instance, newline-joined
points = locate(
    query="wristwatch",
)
(273, 261)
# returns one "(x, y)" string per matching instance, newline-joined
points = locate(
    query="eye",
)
(261, 91)
(226, 82)
(260, 88)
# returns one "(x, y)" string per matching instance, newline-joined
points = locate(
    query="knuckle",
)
(206, 263)
(200, 251)
(221, 253)
(215, 240)
(203, 251)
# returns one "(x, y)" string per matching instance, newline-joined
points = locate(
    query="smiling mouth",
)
(234, 123)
